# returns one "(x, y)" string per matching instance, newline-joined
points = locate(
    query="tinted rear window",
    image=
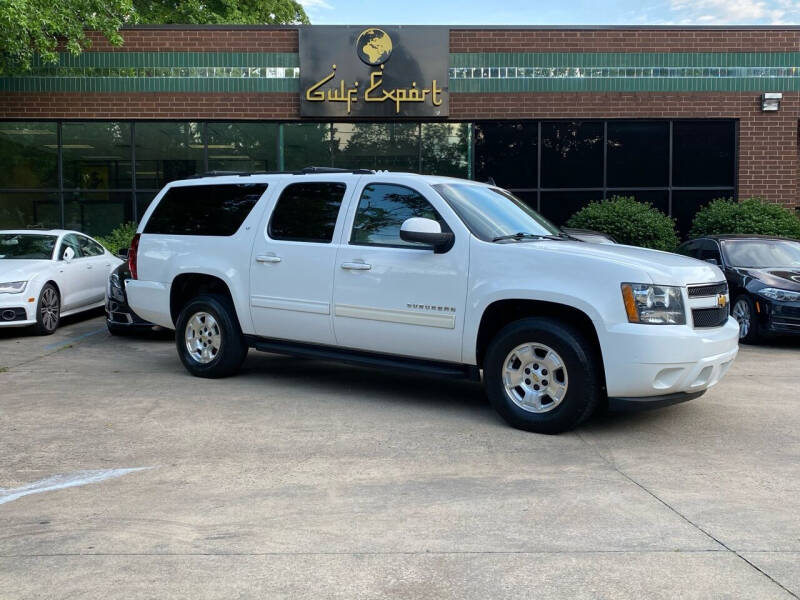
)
(204, 209)
(307, 212)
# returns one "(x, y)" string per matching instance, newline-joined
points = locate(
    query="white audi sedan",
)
(46, 275)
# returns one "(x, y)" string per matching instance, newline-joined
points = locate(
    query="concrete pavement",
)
(308, 479)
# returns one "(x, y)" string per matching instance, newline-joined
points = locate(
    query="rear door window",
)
(307, 212)
(217, 210)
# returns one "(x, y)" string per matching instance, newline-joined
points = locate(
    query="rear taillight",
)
(132, 256)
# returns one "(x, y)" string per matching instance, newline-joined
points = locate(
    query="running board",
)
(364, 359)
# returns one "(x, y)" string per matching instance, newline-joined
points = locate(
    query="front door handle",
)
(356, 266)
(268, 258)
(88, 266)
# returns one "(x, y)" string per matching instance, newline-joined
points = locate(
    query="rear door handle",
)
(268, 258)
(88, 266)
(356, 266)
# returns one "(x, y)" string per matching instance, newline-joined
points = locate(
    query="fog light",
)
(771, 101)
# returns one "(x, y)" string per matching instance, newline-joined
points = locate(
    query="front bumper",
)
(780, 318)
(647, 361)
(16, 311)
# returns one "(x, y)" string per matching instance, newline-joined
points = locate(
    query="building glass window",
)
(244, 147)
(96, 213)
(28, 155)
(445, 149)
(638, 153)
(507, 153)
(29, 210)
(572, 154)
(306, 145)
(379, 146)
(704, 153)
(96, 155)
(166, 151)
(554, 166)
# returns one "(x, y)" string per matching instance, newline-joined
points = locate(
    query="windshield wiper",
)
(528, 236)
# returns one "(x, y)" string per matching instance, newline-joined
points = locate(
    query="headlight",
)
(780, 295)
(115, 287)
(12, 287)
(653, 304)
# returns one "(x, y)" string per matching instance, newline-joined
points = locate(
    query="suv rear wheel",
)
(209, 340)
(542, 375)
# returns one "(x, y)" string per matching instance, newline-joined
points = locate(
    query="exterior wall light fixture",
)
(771, 101)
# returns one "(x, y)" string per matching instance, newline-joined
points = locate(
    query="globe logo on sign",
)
(374, 46)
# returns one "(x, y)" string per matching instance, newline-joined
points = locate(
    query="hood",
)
(663, 268)
(22, 269)
(782, 278)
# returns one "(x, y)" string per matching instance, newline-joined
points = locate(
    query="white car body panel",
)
(81, 283)
(415, 303)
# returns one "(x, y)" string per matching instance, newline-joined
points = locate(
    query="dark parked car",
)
(763, 276)
(120, 319)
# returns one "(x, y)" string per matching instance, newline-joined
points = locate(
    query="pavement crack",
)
(675, 511)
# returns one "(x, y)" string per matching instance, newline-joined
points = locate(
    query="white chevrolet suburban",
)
(448, 276)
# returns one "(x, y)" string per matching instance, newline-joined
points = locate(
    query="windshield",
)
(26, 246)
(762, 254)
(490, 213)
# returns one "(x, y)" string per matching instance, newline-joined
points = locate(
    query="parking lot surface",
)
(124, 477)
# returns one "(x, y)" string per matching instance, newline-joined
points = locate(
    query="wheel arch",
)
(500, 313)
(186, 286)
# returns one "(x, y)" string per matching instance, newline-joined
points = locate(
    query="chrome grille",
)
(711, 289)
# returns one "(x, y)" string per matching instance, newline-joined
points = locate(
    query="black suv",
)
(763, 276)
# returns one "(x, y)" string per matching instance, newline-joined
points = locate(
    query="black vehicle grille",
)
(710, 317)
(12, 314)
(712, 289)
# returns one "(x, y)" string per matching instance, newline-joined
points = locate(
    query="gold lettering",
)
(312, 95)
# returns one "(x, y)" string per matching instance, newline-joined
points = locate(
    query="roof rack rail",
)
(304, 171)
(313, 170)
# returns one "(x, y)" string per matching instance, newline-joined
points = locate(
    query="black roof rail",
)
(313, 170)
(304, 171)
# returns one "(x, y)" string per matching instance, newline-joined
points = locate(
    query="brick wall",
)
(624, 40)
(145, 105)
(201, 40)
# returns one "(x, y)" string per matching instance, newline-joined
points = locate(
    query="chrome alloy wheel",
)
(535, 377)
(741, 312)
(203, 337)
(49, 309)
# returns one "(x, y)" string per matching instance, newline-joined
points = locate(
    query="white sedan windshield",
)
(26, 246)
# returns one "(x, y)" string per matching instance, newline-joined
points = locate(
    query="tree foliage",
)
(220, 12)
(752, 215)
(29, 27)
(628, 222)
(45, 27)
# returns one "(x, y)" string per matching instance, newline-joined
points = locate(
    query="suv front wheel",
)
(209, 340)
(542, 375)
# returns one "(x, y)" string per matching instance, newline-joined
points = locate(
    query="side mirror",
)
(69, 254)
(713, 261)
(426, 231)
(122, 253)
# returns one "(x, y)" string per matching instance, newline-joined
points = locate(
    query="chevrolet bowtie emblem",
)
(722, 300)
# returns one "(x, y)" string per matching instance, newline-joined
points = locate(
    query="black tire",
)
(584, 380)
(48, 315)
(232, 347)
(754, 334)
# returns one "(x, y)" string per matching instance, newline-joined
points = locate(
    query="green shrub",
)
(119, 238)
(753, 215)
(628, 222)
